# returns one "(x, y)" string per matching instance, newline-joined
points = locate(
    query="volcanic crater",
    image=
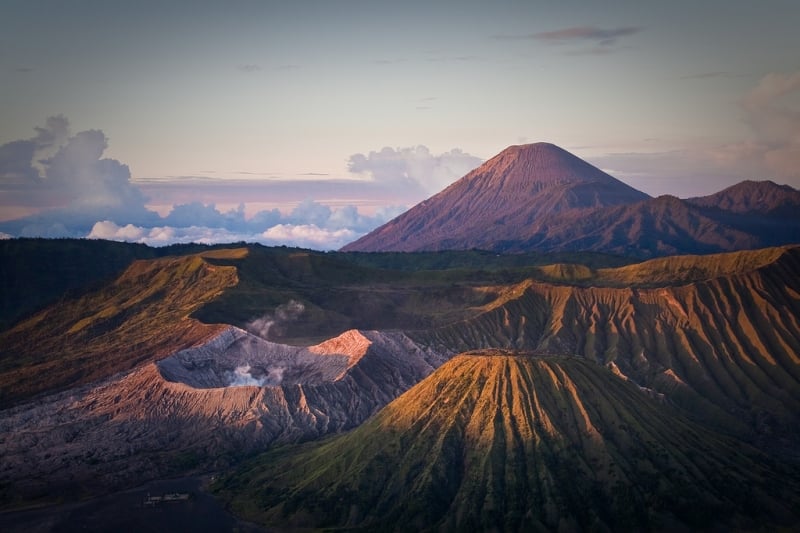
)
(238, 358)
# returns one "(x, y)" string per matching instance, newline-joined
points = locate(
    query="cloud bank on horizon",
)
(75, 192)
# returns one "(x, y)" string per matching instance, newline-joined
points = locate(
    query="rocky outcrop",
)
(237, 358)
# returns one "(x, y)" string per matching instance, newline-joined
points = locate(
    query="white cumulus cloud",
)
(308, 236)
(302, 236)
(414, 167)
(73, 191)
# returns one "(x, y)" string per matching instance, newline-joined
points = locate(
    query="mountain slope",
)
(539, 197)
(37, 272)
(657, 227)
(513, 442)
(716, 336)
(751, 196)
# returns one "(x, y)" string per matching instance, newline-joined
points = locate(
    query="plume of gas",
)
(243, 376)
(282, 315)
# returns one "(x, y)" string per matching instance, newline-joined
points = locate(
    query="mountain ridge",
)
(539, 197)
(113, 328)
(750, 195)
(551, 178)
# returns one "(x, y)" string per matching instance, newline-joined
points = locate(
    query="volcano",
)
(505, 441)
(500, 201)
(539, 197)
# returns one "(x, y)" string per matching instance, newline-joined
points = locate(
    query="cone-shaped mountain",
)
(499, 199)
(506, 442)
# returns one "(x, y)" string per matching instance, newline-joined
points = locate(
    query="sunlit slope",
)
(141, 316)
(726, 346)
(515, 442)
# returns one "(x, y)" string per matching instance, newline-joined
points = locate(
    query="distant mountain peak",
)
(751, 196)
(499, 200)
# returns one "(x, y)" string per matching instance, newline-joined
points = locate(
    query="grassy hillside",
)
(39, 272)
(478, 259)
(632, 315)
(141, 316)
(716, 338)
(519, 442)
(338, 295)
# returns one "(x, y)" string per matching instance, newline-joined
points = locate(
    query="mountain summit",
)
(539, 197)
(537, 177)
(531, 168)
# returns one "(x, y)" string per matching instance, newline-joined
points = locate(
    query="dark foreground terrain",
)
(133, 510)
(602, 392)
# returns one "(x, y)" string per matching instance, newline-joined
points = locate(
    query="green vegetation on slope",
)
(141, 316)
(338, 294)
(514, 442)
(496, 301)
(39, 272)
(413, 291)
(479, 260)
(718, 336)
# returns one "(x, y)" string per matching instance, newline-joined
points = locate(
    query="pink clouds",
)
(775, 122)
(771, 110)
(413, 169)
(309, 236)
(585, 33)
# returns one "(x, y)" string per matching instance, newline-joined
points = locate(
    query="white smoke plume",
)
(275, 375)
(260, 326)
(241, 377)
(282, 315)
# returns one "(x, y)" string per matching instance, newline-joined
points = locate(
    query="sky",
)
(309, 123)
